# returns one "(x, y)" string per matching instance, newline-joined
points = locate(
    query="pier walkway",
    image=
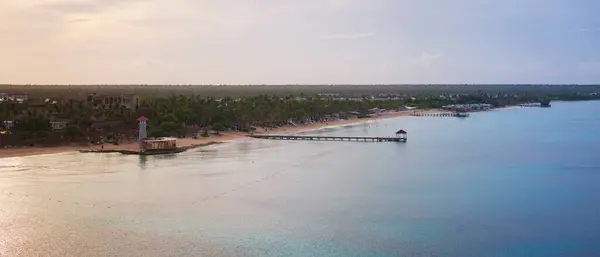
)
(540, 104)
(440, 114)
(330, 138)
(530, 105)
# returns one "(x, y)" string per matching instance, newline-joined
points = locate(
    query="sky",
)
(299, 41)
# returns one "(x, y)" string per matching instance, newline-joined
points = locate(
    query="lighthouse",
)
(143, 130)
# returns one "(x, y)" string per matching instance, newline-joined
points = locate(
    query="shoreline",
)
(224, 137)
(191, 143)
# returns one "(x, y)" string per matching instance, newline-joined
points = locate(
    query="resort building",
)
(130, 101)
(468, 107)
(57, 125)
(7, 124)
(15, 97)
(5, 137)
(161, 143)
(153, 144)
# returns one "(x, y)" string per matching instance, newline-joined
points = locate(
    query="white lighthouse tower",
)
(143, 130)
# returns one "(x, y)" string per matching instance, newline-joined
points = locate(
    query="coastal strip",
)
(185, 144)
(190, 143)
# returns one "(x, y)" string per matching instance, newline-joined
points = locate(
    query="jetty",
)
(400, 137)
(441, 114)
(530, 105)
(330, 138)
(544, 103)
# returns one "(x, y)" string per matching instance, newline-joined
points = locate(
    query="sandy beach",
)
(184, 142)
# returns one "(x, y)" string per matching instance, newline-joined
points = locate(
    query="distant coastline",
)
(290, 89)
(81, 120)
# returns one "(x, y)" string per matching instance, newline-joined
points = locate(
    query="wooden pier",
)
(530, 105)
(542, 105)
(440, 114)
(331, 138)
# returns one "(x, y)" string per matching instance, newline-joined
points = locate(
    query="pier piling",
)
(442, 114)
(331, 138)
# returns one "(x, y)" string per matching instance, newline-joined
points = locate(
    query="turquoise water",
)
(512, 182)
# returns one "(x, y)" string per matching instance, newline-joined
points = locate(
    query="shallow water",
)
(513, 182)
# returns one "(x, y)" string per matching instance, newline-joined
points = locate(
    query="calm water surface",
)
(513, 182)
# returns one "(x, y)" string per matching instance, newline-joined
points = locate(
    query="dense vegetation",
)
(237, 91)
(184, 114)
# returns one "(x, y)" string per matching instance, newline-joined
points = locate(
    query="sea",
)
(507, 182)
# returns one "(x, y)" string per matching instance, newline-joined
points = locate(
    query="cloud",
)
(426, 57)
(80, 20)
(352, 5)
(82, 6)
(339, 4)
(348, 36)
(588, 66)
(588, 29)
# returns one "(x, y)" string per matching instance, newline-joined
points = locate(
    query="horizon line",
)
(361, 84)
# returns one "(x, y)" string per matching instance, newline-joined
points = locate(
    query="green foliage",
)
(73, 131)
(33, 122)
(204, 133)
(158, 133)
(40, 134)
(218, 127)
(169, 126)
(169, 117)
